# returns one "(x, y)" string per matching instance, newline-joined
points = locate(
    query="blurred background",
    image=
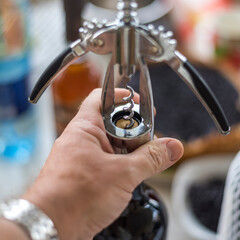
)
(33, 33)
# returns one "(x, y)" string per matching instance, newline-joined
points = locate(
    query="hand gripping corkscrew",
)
(129, 125)
(130, 44)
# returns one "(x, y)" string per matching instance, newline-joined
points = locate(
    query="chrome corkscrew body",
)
(131, 45)
(128, 125)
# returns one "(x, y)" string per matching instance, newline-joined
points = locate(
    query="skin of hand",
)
(83, 186)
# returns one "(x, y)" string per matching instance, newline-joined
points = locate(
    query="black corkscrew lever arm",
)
(60, 64)
(198, 85)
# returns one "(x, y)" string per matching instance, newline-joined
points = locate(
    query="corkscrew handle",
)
(61, 63)
(200, 88)
(212, 102)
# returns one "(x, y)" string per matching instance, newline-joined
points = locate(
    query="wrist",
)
(67, 226)
(36, 224)
(12, 231)
(56, 205)
(44, 202)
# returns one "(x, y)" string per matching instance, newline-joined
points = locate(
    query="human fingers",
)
(154, 157)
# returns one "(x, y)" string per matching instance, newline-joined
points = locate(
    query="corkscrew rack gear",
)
(131, 45)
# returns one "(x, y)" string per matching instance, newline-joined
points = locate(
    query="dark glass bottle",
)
(145, 218)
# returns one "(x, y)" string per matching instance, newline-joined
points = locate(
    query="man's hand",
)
(84, 186)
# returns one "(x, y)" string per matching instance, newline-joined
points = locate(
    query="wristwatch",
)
(33, 220)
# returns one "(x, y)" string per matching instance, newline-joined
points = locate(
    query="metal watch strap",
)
(34, 221)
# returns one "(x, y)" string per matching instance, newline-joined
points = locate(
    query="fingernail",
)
(175, 150)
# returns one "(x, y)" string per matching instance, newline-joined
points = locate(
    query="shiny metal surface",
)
(131, 45)
(129, 109)
(136, 43)
(127, 139)
(127, 11)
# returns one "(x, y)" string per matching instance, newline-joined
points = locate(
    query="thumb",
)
(155, 156)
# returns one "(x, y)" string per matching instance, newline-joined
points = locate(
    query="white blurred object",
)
(196, 171)
(229, 223)
(227, 42)
(195, 23)
(149, 10)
